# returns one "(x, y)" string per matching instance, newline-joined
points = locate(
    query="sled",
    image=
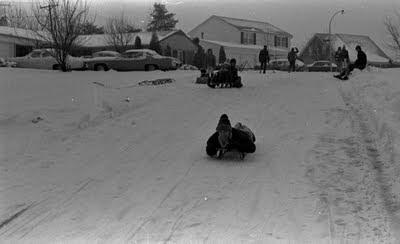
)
(236, 84)
(221, 152)
(340, 78)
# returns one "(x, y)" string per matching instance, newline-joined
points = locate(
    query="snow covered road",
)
(100, 170)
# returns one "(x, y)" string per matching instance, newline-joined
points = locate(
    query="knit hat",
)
(224, 124)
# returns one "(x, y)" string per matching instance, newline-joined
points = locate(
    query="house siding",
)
(216, 29)
(181, 44)
(7, 50)
(10, 44)
(316, 50)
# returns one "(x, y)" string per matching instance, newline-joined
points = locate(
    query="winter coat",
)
(344, 55)
(361, 61)
(337, 56)
(210, 60)
(233, 73)
(240, 141)
(292, 56)
(263, 57)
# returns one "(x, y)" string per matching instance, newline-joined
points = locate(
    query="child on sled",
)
(239, 138)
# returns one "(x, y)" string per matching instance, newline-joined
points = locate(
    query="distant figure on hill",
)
(360, 64)
(210, 62)
(338, 59)
(263, 57)
(344, 56)
(292, 56)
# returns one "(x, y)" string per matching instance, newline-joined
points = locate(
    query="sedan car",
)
(43, 59)
(134, 60)
(106, 54)
(321, 65)
(283, 64)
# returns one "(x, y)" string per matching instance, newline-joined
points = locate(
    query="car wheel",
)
(101, 67)
(56, 67)
(150, 67)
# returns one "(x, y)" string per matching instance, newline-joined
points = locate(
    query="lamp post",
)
(329, 42)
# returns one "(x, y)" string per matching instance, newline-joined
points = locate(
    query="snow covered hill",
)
(102, 168)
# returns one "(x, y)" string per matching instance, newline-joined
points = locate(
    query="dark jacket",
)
(292, 56)
(337, 56)
(233, 73)
(263, 57)
(239, 141)
(361, 61)
(210, 60)
(344, 55)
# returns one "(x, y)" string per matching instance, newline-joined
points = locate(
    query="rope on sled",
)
(141, 83)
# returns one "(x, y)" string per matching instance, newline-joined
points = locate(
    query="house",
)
(242, 39)
(318, 48)
(181, 45)
(15, 42)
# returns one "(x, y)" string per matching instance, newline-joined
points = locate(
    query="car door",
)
(31, 61)
(47, 61)
(138, 61)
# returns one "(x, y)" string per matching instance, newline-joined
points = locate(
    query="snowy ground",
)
(99, 169)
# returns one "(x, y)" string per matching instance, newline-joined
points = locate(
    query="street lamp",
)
(329, 42)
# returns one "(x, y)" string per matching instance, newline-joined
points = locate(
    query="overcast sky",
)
(301, 18)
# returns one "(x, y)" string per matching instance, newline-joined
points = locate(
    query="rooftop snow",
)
(253, 24)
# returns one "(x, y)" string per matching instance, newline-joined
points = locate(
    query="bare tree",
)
(392, 26)
(118, 32)
(56, 23)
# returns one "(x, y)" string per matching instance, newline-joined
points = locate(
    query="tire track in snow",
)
(368, 139)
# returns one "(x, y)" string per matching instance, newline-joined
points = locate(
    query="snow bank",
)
(376, 94)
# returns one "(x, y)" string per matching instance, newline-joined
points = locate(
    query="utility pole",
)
(49, 7)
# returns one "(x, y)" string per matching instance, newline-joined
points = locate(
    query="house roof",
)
(252, 25)
(244, 46)
(99, 40)
(372, 50)
(18, 32)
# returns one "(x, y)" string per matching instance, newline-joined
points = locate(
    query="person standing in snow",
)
(344, 56)
(360, 64)
(263, 57)
(229, 138)
(210, 62)
(338, 59)
(292, 56)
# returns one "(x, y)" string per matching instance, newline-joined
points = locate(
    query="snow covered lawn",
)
(103, 169)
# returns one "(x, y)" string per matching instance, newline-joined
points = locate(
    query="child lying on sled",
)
(239, 137)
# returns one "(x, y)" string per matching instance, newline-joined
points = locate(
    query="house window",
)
(248, 38)
(281, 41)
(202, 35)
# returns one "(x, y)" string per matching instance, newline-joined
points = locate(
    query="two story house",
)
(242, 39)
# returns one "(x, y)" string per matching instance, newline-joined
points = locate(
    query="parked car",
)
(4, 63)
(106, 54)
(321, 65)
(134, 60)
(283, 64)
(43, 59)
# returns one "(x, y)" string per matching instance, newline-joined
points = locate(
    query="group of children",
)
(227, 76)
